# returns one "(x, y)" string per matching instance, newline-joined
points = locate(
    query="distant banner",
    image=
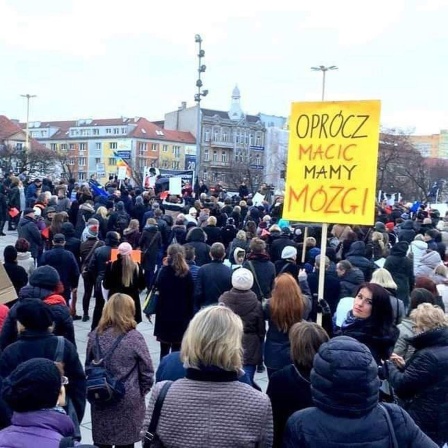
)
(332, 162)
(186, 176)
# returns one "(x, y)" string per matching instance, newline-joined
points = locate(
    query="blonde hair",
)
(129, 266)
(214, 338)
(211, 221)
(102, 211)
(428, 317)
(441, 270)
(383, 278)
(241, 235)
(379, 237)
(118, 313)
(237, 209)
(266, 218)
(133, 224)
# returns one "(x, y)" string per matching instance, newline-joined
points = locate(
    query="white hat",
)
(289, 252)
(242, 279)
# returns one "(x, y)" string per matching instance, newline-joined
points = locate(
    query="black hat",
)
(28, 210)
(59, 238)
(45, 277)
(35, 315)
(35, 384)
(10, 254)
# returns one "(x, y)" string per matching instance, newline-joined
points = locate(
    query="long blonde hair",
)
(129, 266)
(102, 211)
(118, 313)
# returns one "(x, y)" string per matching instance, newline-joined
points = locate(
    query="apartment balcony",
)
(216, 164)
(220, 144)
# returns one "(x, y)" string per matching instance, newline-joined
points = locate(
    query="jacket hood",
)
(68, 229)
(119, 206)
(357, 248)
(129, 231)
(45, 419)
(344, 379)
(431, 338)
(407, 225)
(400, 249)
(196, 234)
(354, 276)
(87, 207)
(34, 292)
(23, 256)
(420, 245)
(26, 220)
(431, 259)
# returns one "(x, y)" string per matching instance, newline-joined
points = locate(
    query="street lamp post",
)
(324, 70)
(27, 137)
(197, 97)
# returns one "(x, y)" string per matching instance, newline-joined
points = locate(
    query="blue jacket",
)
(344, 389)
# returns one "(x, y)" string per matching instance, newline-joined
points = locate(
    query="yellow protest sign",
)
(332, 162)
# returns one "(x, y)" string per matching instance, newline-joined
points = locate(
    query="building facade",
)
(428, 145)
(99, 146)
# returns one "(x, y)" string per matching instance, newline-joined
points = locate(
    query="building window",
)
(215, 156)
(224, 157)
(98, 145)
(82, 176)
(72, 146)
(54, 146)
(43, 133)
(225, 137)
(123, 130)
(71, 161)
(97, 160)
(63, 146)
(82, 146)
(112, 161)
(216, 136)
(96, 131)
(165, 148)
(116, 130)
(206, 159)
(113, 145)
(251, 139)
(19, 146)
(142, 146)
(258, 140)
(176, 151)
(74, 132)
(246, 139)
(154, 147)
(207, 135)
(82, 161)
(108, 131)
(257, 159)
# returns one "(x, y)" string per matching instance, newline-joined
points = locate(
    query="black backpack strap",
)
(98, 355)
(67, 442)
(152, 428)
(59, 353)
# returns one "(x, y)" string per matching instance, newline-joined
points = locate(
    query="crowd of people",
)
(236, 290)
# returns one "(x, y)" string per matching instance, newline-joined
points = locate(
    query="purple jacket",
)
(43, 429)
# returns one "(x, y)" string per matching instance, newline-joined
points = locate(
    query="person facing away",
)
(17, 274)
(346, 412)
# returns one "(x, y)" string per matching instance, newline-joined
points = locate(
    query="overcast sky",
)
(110, 58)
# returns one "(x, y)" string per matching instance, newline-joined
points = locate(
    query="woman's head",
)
(118, 313)
(257, 246)
(241, 235)
(286, 304)
(377, 236)
(34, 385)
(305, 339)
(102, 211)
(213, 338)
(134, 224)
(211, 221)
(373, 301)
(441, 270)
(10, 254)
(426, 283)
(22, 245)
(428, 317)
(383, 278)
(421, 295)
(176, 258)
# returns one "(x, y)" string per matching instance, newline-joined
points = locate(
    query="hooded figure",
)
(428, 262)
(356, 256)
(345, 392)
(401, 269)
(407, 232)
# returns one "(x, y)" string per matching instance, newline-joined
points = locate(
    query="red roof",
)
(9, 129)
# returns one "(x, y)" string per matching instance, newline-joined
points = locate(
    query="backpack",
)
(102, 386)
(121, 223)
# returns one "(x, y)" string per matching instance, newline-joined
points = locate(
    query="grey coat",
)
(402, 346)
(121, 423)
(205, 414)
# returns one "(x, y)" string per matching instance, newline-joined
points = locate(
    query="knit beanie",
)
(45, 277)
(242, 279)
(35, 315)
(35, 384)
(124, 249)
(10, 254)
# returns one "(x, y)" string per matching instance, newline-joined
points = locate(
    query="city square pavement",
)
(82, 330)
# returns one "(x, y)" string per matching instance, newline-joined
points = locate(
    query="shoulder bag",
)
(393, 437)
(150, 303)
(87, 259)
(151, 439)
(262, 295)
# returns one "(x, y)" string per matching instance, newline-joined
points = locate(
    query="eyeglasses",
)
(64, 380)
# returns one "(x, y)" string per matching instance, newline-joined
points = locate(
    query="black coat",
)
(98, 263)
(423, 385)
(17, 275)
(150, 244)
(356, 256)
(174, 308)
(202, 251)
(113, 282)
(350, 282)
(289, 390)
(63, 323)
(407, 232)
(28, 229)
(264, 273)
(346, 411)
(277, 246)
(332, 287)
(213, 234)
(32, 344)
(401, 269)
(214, 279)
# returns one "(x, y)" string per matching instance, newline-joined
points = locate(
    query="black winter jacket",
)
(32, 344)
(150, 243)
(423, 385)
(407, 232)
(344, 389)
(277, 246)
(356, 256)
(214, 279)
(350, 282)
(264, 273)
(213, 234)
(28, 229)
